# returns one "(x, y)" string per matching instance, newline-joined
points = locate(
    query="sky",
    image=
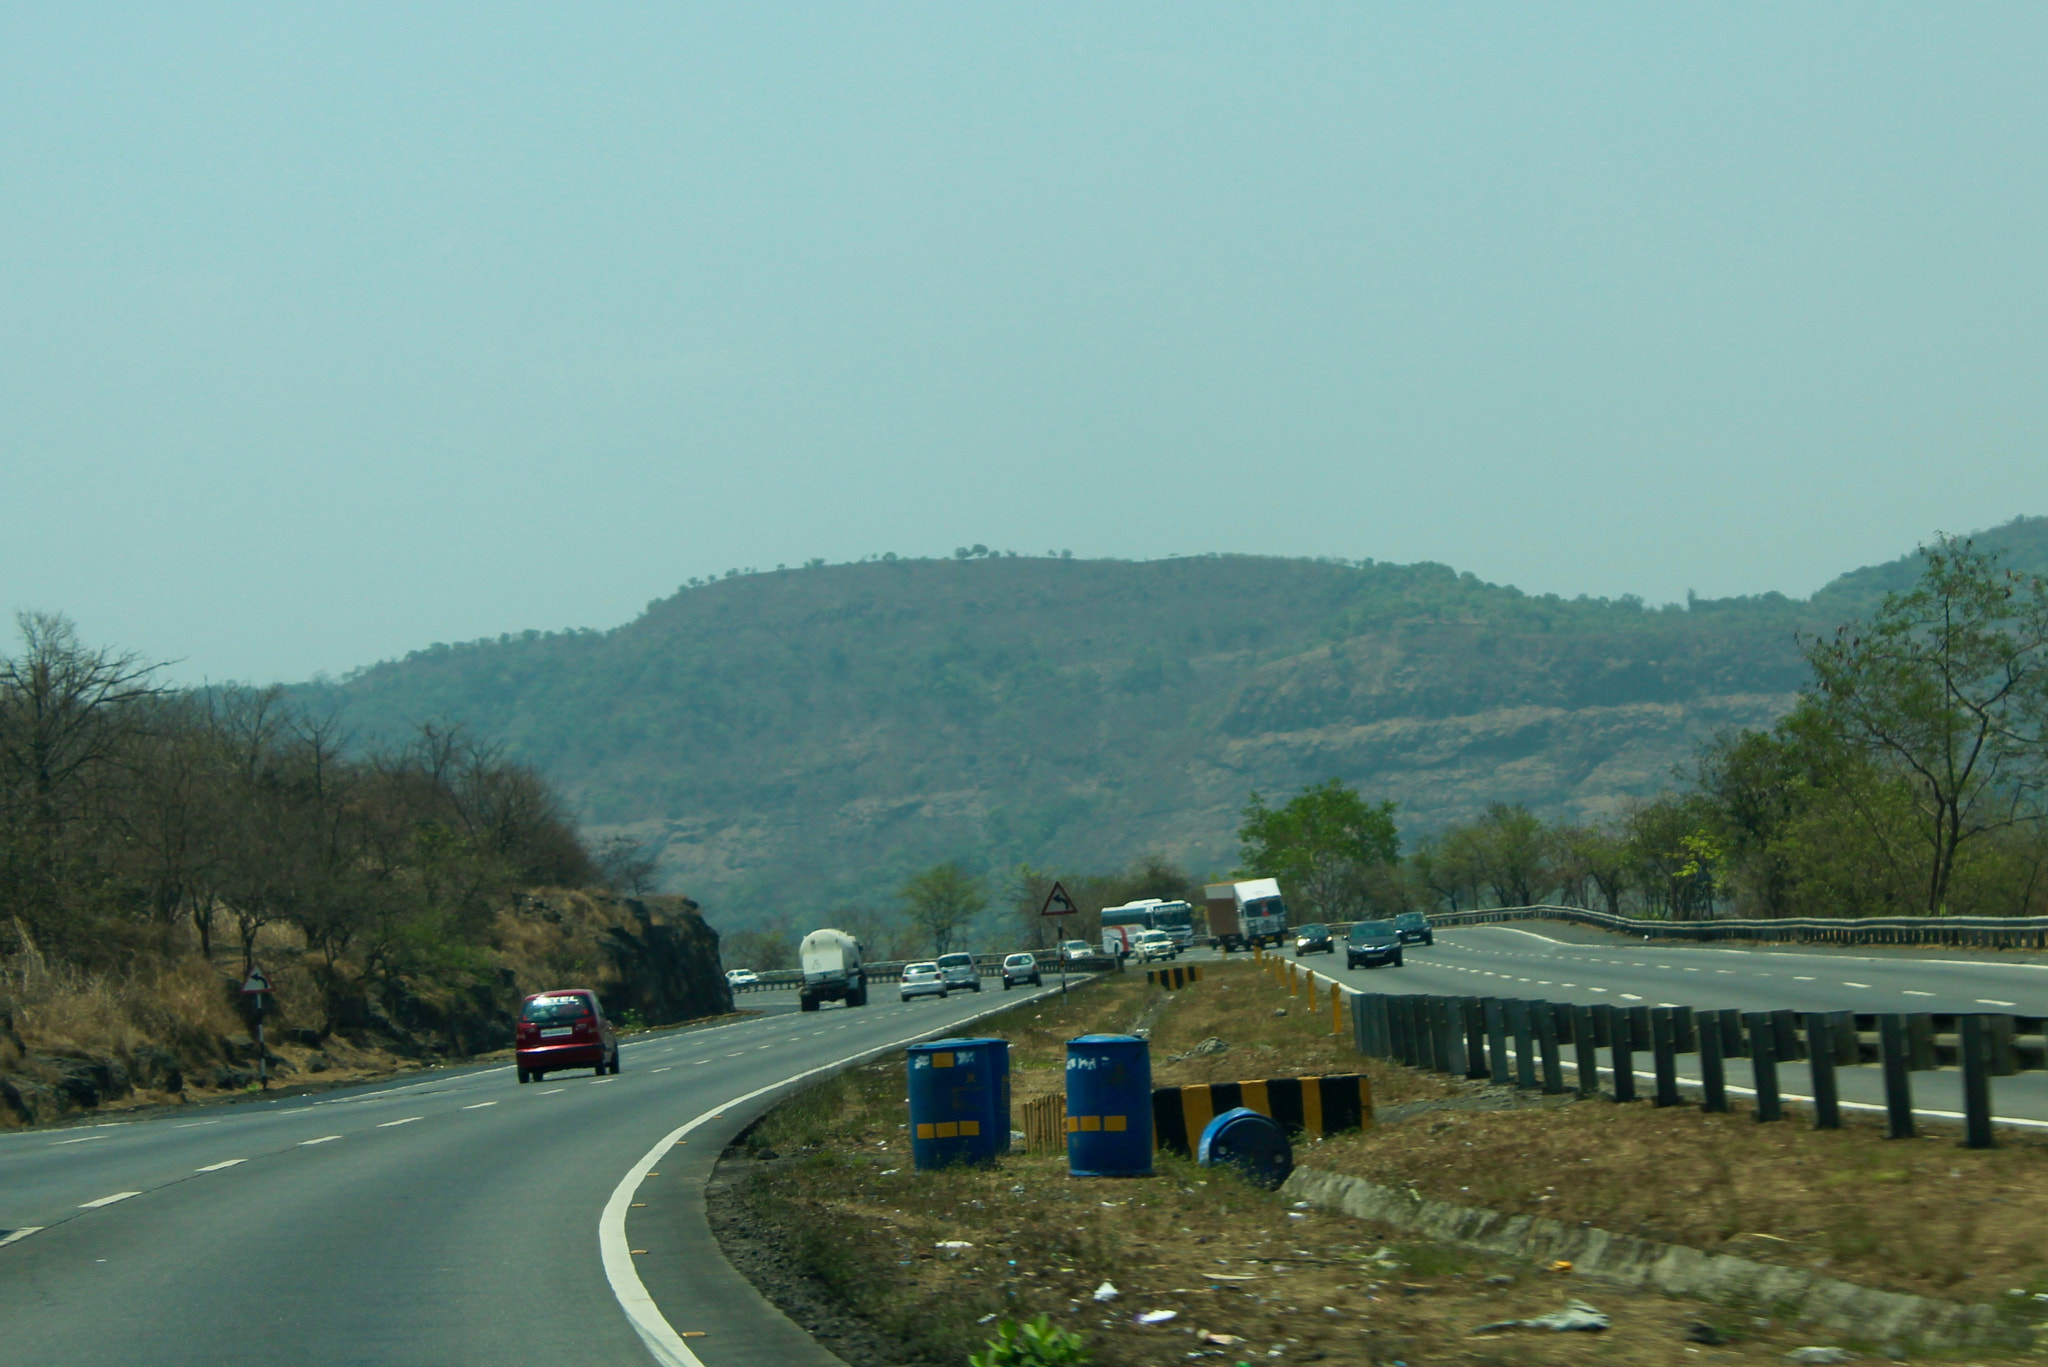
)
(329, 332)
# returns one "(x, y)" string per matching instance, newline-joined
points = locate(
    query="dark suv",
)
(1413, 928)
(1372, 944)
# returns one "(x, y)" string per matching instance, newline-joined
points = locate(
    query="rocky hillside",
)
(176, 1031)
(803, 737)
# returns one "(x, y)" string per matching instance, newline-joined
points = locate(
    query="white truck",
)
(831, 960)
(1247, 914)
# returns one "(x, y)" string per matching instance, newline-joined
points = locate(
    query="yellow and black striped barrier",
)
(1175, 978)
(1311, 1105)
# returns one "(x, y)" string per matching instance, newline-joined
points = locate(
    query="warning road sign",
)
(257, 984)
(1057, 903)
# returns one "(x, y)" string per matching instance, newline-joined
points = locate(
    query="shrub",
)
(1037, 1343)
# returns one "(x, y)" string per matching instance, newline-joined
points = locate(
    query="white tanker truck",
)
(831, 961)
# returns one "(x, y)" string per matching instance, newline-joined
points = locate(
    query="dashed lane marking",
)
(387, 1124)
(479, 1105)
(1847, 983)
(551, 1091)
(1911, 993)
(224, 1163)
(16, 1235)
(107, 1200)
(323, 1139)
(82, 1139)
(1987, 1001)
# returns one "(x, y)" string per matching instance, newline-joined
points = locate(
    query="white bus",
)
(1151, 913)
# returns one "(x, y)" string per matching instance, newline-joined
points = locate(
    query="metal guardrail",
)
(1973, 932)
(1519, 1042)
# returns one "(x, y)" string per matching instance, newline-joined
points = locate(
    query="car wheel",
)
(615, 1063)
(1397, 961)
(523, 1078)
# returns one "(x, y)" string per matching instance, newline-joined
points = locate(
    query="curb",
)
(1674, 1269)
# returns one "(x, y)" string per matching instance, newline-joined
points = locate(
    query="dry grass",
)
(845, 1201)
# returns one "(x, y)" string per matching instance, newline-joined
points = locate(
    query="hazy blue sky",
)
(330, 331)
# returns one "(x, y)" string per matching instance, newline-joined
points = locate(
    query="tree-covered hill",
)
(800, 738)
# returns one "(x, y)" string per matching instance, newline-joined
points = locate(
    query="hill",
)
(798, 739)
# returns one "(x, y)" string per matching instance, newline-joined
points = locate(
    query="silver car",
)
(958, 970)
(922, 980)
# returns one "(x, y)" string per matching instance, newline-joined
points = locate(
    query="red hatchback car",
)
(563, 1029)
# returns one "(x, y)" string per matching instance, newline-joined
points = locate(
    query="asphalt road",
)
(1505, 961)
(457, 1218)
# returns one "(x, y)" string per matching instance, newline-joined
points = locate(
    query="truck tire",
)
(807, 1002)
(858, 997)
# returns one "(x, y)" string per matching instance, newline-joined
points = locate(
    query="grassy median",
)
(932, 1260)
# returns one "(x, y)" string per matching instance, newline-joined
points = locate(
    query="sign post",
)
(1057, 903)
(256, 987)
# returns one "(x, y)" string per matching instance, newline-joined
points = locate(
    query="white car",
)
(1155, 944)
(741, 977)
(1076, 949)
(923, 980)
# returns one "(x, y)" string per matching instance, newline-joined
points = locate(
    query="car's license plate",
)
(558, 1030)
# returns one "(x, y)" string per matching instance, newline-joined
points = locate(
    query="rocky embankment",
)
(186, 1034)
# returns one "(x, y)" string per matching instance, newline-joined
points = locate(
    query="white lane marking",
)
(1567, 984)
(107, 1200)
(551, 1091)
(1802, 977)
(82, 1139)
(660, 1070)
(1987, 1001)
(323, 1139)
(1596, 989)
(1774, 953)
(1630, 996)
(224, 1163)
(736, 1053)
(479, 1105)
(655, 1331)
(14, 1235)
(700, 1063)
(600, 1081)
(387, 1124)
(1909, 992)
(1847, 983)
(191, 1124)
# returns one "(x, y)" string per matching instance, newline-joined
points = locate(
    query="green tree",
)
(941, 901)
(1947, 685)
(1322, 845)
(1512, 850)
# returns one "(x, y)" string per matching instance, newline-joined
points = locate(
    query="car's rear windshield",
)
(1019, 959)
(1367, 930)
(956, 961)
(547, 1009)
(1315, 929)
(921, 968)
(1411, 918)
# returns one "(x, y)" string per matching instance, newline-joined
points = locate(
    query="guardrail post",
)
(1525, 1044)
(1452, 1015)
(1427, 1036)
(1546, 1044)
(1621, 1030)
(1763, 1064)
(1713, 1063)
(1475, 1036)
(1974, 1038)
(1397, 1030)
(1893, 1053)
(1820, 1064)
(1586, 1044)
(1664, 1055)
(1497, 1040)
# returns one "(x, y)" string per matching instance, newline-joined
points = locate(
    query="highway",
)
(454, 1218)
(1507, 961)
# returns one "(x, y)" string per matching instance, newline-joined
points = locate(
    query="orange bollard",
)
(1336, 1010)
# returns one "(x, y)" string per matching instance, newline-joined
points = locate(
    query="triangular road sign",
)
(257, 984)
(1057, 903)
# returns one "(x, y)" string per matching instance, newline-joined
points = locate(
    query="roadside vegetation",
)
(936, 1261)
(155, 844)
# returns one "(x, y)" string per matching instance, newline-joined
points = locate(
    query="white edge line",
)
(19, 1234)
(642, 1313)
(1779, 953)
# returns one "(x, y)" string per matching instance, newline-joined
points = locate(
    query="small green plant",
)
(1038, 1343)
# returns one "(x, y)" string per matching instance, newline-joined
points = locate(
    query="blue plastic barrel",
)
(959, 1101)
(1109, 1106)
(1252, 1143)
